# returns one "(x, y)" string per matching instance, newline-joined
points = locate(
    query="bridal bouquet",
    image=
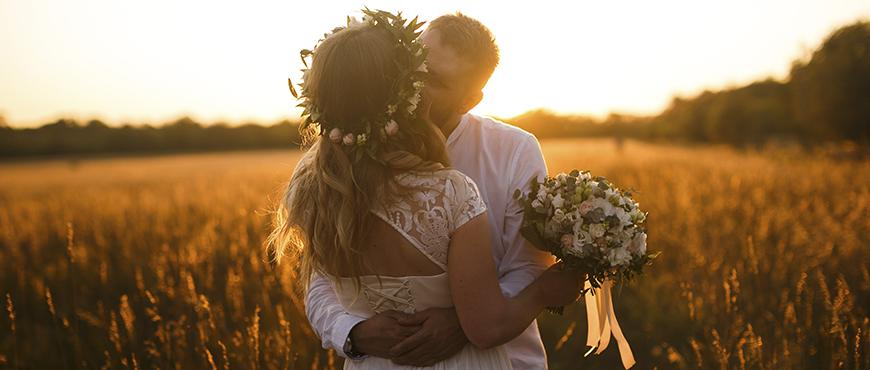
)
(591, 225)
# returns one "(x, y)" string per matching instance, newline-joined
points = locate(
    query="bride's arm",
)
(488, 318)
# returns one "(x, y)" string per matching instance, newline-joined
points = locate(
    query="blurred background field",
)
(147, 262)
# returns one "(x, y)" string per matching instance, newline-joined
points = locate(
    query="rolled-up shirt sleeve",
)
(523, 262)
(327, 316)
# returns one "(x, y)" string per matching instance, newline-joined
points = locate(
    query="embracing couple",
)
(402, 211)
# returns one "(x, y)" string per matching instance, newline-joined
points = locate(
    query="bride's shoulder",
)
(460, 184)
(452, 175)
(448, 178)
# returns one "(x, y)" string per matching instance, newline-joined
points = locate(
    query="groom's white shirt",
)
(500, 158)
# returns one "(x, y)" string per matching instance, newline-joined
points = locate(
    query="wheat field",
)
(157, 262)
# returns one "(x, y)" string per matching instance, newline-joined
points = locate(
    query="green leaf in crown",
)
(406, 91)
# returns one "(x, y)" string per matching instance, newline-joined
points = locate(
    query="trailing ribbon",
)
(602, 320)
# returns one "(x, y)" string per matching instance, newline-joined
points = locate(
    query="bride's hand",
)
(559, 286)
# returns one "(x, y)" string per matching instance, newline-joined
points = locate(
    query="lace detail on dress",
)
(469, 204)
(440, 202)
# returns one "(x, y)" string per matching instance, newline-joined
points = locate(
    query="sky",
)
(138, 62)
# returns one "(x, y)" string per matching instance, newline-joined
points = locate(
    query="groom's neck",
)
(450, 124)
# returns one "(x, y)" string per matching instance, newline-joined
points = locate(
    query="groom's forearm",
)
(327, 316)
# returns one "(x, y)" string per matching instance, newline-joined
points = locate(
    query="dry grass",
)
(157, 262)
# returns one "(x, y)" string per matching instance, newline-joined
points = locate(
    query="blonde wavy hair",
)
(324, 215)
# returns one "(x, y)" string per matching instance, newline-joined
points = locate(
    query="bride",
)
(375, 207)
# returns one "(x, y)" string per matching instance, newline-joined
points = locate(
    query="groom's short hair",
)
(471, 40)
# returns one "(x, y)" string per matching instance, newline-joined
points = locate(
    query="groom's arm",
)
(522, 262)
(373, 336)
(327, 316)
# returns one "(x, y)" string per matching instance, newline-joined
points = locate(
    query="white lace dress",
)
(440, 203)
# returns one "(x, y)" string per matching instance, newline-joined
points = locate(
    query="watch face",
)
(349, 351)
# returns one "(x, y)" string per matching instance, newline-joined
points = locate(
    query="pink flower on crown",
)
(335, 135)
(391, 128)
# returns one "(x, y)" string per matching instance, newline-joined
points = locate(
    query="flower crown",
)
(405, 95)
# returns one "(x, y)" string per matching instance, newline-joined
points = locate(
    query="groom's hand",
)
(439, 338)
(378, 334)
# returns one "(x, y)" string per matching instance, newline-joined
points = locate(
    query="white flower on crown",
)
(412, 102)
(391, 109)
(361, 139)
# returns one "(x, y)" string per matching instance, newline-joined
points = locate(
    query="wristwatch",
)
(350, 351)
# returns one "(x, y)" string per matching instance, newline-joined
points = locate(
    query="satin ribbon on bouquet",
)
(602, 321)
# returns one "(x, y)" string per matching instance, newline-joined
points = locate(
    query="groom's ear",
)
(472, 100)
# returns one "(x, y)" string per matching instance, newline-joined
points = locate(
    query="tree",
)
(750, 114)
(831, 92)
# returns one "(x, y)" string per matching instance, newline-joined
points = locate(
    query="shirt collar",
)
(457, 132)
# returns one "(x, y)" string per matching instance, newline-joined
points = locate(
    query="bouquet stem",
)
(556, 310)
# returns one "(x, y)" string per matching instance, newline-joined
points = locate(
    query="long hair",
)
(324, 216)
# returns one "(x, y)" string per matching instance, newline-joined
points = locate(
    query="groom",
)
(500, 158)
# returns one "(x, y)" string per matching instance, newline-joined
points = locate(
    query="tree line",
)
(65, 136)
(824, 98)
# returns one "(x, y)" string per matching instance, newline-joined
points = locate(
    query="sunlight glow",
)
(150, 62)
